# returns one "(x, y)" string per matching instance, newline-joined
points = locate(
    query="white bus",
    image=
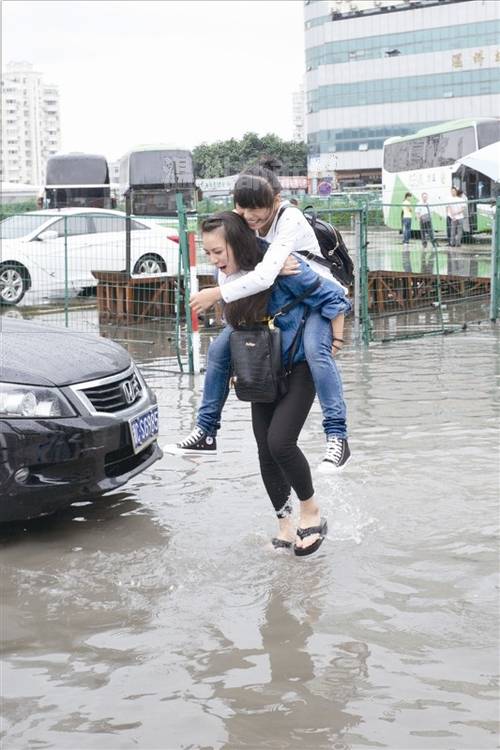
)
(429, 162)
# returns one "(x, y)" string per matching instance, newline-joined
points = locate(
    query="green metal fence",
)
(430, 284)
(78, 270)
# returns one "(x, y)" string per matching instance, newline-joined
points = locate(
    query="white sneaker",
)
(336, 456)
(198, 442)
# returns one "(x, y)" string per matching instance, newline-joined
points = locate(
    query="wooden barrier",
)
(126, 299)
(137, 299)
(402, 290)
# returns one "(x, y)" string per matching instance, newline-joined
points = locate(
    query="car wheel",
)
(14, 283)
(150, 264)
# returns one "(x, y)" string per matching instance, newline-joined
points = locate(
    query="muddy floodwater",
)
(158, 618)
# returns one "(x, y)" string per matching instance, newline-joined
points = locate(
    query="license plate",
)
(144, 428)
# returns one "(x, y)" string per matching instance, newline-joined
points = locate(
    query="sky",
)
(160, 71)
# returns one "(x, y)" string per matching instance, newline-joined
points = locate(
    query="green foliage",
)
(9, 209)
(230, 157)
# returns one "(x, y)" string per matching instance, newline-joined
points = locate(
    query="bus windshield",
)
(78, 180)
(151, 177)
(439, 150)
(77, 169)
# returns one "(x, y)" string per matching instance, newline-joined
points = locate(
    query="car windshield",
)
(18, 226)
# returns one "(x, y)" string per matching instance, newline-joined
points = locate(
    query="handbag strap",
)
(295, 343)
(297, 300)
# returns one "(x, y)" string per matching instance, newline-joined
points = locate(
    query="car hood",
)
(33, 354)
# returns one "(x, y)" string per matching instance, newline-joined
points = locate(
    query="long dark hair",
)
(247, 253)
(257, 186)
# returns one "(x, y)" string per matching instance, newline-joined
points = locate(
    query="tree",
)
(230, 157)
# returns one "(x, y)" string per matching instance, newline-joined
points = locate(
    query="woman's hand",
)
(337, 346)
(338, 334)
(204, 300)
(291, 267)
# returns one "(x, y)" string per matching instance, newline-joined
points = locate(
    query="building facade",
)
(299, 114)
(30, 124)
(379, 68)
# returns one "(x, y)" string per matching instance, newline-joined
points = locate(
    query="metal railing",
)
(72, 271)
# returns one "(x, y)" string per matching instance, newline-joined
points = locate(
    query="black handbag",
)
(259, 375)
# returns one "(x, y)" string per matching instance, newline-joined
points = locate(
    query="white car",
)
(50, 253)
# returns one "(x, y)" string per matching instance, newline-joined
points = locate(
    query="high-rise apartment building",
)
(30, 124)
(379, 68)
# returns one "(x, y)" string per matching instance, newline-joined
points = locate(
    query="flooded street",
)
(158, 617)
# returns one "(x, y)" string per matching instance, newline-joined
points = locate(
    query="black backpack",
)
(333, 248)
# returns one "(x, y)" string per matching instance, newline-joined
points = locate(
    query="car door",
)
(109, 250)
(110, 237)
(64, 251)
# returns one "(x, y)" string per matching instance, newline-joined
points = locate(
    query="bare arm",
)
(338, 334)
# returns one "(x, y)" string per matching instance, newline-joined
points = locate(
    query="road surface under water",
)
(159, 618)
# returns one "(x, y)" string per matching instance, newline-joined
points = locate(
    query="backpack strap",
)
(316, 258)
(310, 256)
(312, 213)
(281, 212)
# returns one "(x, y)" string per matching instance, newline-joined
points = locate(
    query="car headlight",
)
(32, 402)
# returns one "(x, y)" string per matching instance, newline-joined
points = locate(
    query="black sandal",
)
(280, 543)
(322, 530)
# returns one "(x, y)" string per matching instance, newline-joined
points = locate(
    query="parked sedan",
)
(76, 418)
(54, 250)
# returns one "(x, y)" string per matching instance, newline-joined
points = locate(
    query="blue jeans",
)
(406, 229)
(318, 339)
(216, 385)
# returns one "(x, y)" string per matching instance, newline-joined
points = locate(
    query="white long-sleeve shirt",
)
(291, 233)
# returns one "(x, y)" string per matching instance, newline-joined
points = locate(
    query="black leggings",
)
(276, 428)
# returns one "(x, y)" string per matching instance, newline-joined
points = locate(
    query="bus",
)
(77, 180)
(429, 161)
(151, 176)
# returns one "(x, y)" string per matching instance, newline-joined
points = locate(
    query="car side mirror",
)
(50, 234)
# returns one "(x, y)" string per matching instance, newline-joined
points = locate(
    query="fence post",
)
(366, 326)
(66, 296)
(195, 326)
(128, 227)
(184, 258)
(357, 277)
(495, 264)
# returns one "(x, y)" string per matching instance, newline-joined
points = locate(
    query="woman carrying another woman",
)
(285, 229)
(233, 248)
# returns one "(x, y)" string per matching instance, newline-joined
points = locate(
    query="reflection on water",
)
(159, 618)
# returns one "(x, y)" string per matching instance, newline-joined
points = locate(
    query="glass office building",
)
(379, 68)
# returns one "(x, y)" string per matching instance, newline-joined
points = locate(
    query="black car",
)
(76, 418)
